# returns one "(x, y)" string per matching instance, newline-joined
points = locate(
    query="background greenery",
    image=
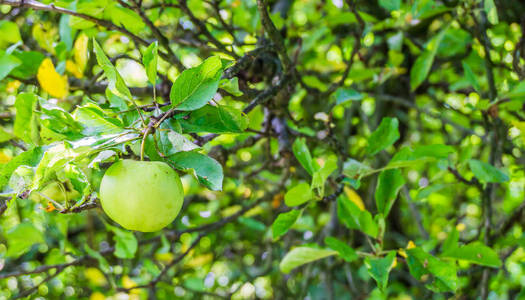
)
(328, 149)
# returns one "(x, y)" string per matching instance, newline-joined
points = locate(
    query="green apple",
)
(141, 195)
(57, 191)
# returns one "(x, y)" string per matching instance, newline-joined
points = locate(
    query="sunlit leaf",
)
(302, 255)
(196, 86)
(476, 253)
(283, 222)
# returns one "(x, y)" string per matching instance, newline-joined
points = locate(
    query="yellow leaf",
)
(97, 296)
(199, 261)
(13, 86)
(128, 283)
(50, 207)
(460, 227)
(73, 68)
(164, 257)
(95, 276)
(46, 34)
(411, 245)
(81, 51)
(402, 252)
(354, 197)
(4, 158)
(51, 81)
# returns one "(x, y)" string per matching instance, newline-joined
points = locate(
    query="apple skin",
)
(141, 195)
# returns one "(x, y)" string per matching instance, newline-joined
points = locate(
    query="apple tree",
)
(262, 149)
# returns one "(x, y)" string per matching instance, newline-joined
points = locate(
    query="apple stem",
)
(142, 145)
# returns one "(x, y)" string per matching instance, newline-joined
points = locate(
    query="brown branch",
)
(162, 39)
(274, 35)
(202, 28)
(473, 181)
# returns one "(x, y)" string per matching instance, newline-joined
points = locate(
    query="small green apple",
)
(57, 191)
(141, 195)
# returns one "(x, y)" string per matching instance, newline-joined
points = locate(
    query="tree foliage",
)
(328, 149)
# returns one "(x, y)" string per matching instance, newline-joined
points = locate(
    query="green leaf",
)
(390, 5)
(408, 157)
(126, 244)
(26, 127)
(149, 59)
(299, 194)
(302, 255)
(443, 275)
(116, 101)
(213, 119)
(5, 135)
(207, 170)
(355, 218)
(423, 63)
(486, 172)
(344, 94)
(31, 61)
(233, 119)
(95, 121)
(231, 86)
(345, 251)
(379, 268)
(421, 68)
(388, 185)
(301, 152)
(8, 63)
(56, 124)
(321, 175)
(125, 17)
(491, 11)
(517, 91)
(115, 82)
(471, 77)
(178, 143)
(196, 86)
(65, 31)
(354, 169)
(28, 158)
(10, 33)
(252, 223)
(452, 241)
(385, 135)
(21, 237)
(476, 253)
(429, 190)
(283, 222)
